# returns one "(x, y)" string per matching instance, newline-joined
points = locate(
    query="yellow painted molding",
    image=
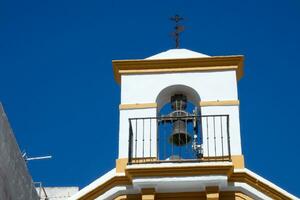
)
(238, 161)
(137, 106)
(216, 63)
(148, 193)
(122, 197)
(117, 180)
(220, 103)
(212, 193)
(234, 195)
(174, 70)
(242, 196)
(182, 195)
(128, 197)
(148, 197)
(121, 165)
(184, 171)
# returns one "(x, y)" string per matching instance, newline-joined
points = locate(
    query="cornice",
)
(216, 63)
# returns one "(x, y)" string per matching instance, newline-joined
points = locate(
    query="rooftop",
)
(177, 54)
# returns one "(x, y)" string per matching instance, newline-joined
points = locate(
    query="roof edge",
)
(215, 63)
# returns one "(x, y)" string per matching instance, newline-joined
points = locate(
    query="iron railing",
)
(150, 139)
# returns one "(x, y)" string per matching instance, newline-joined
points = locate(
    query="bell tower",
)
(179, 132)
(179, 106)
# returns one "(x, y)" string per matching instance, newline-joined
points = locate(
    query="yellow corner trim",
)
(238, 161)
(137, 106)
(121, 165)
(212, 193)
(220, 103)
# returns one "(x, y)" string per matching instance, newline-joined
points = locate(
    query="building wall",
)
(15, 180)
(56, 193)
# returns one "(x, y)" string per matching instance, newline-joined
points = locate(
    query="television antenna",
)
(26, 158)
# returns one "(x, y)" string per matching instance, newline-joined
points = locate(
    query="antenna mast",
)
(26, 158)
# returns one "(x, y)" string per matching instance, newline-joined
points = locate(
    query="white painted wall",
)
(144, 88)
(138, 133)
(211, 86)
(234, 130)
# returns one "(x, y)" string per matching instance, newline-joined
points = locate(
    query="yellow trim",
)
(121, 165)
(217, 63)
(122, 197)
(212, 193)
(148, 196)
(238, 161)
(148, 193)
(220, 103)
(183, 171)
(181, 196)
(174, 70)
(242, 196)
(234, 195)
(137, 106)
(128, 197)
(230, 195)
(117, 180)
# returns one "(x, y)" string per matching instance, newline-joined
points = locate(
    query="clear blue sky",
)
(57, 86)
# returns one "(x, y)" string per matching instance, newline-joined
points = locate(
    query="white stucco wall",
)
(234, 130)
(210, 86)
(138, 133)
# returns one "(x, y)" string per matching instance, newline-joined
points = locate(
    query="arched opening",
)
(164, 96)
(179, 130)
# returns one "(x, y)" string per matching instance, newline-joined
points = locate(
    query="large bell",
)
(179, 136)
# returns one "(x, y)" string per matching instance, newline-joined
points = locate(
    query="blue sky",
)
(58, 90)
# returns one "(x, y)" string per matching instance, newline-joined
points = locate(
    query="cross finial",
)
(178, 28)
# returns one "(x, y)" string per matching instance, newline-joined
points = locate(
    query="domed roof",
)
(177, 54)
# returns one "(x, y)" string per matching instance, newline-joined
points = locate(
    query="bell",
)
(179, 136)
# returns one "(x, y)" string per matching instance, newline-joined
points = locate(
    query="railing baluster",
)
(165, 141)
(136, 139)
(143, 139)
(150, 139)
(228, 138)
(215, 142)
(186, 138)
(221, 118)
(130, 143)
(207, 137)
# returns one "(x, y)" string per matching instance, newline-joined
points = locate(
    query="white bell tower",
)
(179, 134)
(209, 83)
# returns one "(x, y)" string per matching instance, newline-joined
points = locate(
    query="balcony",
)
(177, 139)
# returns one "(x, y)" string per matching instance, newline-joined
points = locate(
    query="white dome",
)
(177, 54)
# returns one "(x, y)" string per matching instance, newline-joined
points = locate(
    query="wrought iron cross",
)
(178, 28)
